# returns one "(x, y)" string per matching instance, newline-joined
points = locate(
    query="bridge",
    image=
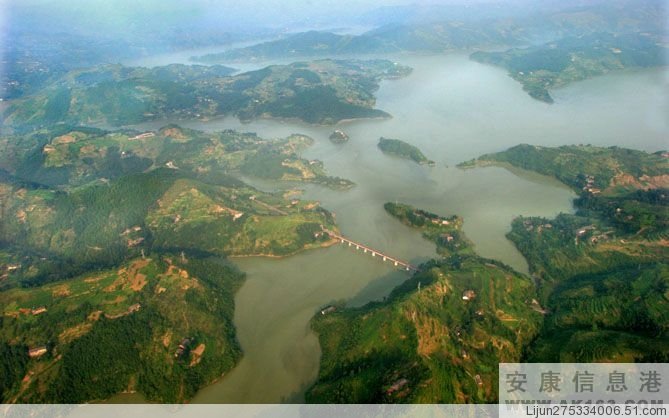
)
(375, 253)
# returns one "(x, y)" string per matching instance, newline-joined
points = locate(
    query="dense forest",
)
(402, 149)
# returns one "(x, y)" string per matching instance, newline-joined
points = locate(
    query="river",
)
(453, 109)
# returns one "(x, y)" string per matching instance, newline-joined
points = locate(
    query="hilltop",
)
(393, 38)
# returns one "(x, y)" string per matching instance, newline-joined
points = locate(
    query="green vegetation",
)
(319, 92)
(115, 95)
(438, 337)
(425, 343)
(600, 281)
(403, 149)
(338, 137)
(119, 330)
(602, 272)
(100, 225)
(587, 168)
(556, 64)
(121, 237)
(446, 233)
(13, 360)
(73, 156)
(618, 316)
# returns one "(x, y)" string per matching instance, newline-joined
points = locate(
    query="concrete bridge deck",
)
(374, 253)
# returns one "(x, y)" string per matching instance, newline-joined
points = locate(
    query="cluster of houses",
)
(446, 237)
(135, 228)
(590, 185)
(595, 237)
(135, 242)
(529, 226)
(432, 218)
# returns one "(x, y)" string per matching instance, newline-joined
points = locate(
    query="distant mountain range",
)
(422, 34)
(435, 37)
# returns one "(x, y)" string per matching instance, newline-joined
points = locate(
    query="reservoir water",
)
(453, 110)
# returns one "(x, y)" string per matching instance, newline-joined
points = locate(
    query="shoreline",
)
(159, 123)
(325, 244)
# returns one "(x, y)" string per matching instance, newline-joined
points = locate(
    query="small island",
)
(338, 137)
(403, 149)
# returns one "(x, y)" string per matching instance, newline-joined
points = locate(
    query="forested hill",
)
(160, 325)
(556, 64)
(319, 92)
(391, 38)
(600, 281)
(602, 272)
(71, 156)
(113, 246)
(584, 166)
(438, 337)
(403, 149)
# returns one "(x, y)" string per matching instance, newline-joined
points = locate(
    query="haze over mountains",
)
(133, 182)
(442, 28)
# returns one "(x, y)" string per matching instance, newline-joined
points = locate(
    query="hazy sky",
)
(113, 14)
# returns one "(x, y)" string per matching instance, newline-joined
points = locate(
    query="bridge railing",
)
(350, 242)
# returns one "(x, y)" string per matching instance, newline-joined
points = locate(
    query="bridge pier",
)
(358, 246)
